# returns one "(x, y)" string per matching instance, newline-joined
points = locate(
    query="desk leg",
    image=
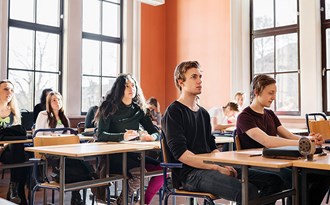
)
(304, 191)
(295, 198)
(62, 180)
(245, 185)
(142, 177)
(231, 146)
(124, 184)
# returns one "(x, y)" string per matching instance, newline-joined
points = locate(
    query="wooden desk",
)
(86, 138)
(16, 141)
(320, 165)
(244, 160)
(92, 149)
(298, 131)
(223, 140)
(154, 144)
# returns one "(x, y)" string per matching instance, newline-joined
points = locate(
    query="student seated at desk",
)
(221, 116)
(153, 111)
(54, 117)
(90, 116)
(118, 118)
(187, 130)
(240, 100)
(13, 153)
(259, 127)
(42, 105)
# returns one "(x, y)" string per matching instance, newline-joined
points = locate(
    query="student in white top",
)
(220, 116)
(240, 100)
(53, 116)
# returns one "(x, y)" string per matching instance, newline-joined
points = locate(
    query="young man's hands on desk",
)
(319, 140)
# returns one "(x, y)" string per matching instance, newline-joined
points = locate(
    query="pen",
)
(255, 155)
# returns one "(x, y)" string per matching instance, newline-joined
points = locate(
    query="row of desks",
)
(250, 158)
(84, 150)
(96, 149)
(239, 158)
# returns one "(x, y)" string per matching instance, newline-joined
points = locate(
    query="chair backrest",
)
(318, 124)
(47, 140)
(63, 129)
(27, 119)
(237, 143)
(163, 147)
(58, 139)
(80, 127)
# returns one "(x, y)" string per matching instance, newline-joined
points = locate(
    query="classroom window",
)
(275, 50)
(34, 48)
(325, 20)
(101, 49)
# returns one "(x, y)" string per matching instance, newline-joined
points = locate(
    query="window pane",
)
(111, 20)
(90, 92)
(91, 16)
(23, 82)
(48, 12)
(107, 85)
(45, 80)
(286, 12)
(21, 48)
(91, 57)
(328, 47)
(114, 1)
(22, 10)
(327, 9)
(263, 14)
(287, 52)
(287, 92)
(263, 55)
(110, 59)
(47, 51)
(328, 90)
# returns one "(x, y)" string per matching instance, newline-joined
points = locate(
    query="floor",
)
(39, 196)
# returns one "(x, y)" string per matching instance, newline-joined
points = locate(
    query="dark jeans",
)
(260, 184)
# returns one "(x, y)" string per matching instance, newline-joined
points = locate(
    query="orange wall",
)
(153, 52)
(186, 30)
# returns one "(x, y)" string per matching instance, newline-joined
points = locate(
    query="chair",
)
(168, 191)
(237, 143)
(319, 124)
(81, 127)
(46, 141)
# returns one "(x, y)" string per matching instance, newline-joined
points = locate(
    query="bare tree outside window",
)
(275, 50)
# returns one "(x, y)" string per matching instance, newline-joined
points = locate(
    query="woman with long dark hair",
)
(42, 105)
(119, 118)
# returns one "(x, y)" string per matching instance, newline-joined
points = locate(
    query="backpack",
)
(15, 132)
(75, 170)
